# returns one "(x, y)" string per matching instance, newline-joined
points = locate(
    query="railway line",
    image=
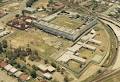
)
(113, 62)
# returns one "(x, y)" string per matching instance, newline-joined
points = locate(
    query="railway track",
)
(113, 60)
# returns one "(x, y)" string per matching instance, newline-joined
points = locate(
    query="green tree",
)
(4, 44)
(53, 64)
(1, 48)
(66, 79)
(33, 74)
(50, 1)
(1, 1)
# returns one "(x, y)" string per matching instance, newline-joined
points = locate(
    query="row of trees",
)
(13, 54)
(3, 46)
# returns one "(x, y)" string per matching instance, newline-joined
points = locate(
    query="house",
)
(13, 70)
(50, 69)
(24, 77)
(42, 67)
(3, 64)
(56, 6)
(29, 10)
(47, 76)
(18, 74)
(8, 67)
(3, 33)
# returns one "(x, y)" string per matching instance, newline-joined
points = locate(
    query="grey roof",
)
(30, 9)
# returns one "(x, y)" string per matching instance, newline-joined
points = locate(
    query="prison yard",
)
(59, 41)
(67, 22)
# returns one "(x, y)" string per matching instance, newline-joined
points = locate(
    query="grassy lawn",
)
(34, 40)
(40, 3)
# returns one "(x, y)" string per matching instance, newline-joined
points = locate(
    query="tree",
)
(4, 44)
(1, 48)
(46, 61)
(9, 53)
(50, 1)
(17, 15)
(1, 1)
(66, 79)
(95, 4)
(33, 74)
(43, 8)
(23, 13)
(53, 64)
(58, 68)
(29, 51)
(35, 67)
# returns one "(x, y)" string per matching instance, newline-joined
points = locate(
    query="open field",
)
(40, 3)
(11, 7)
(46, 44)
(4, 77)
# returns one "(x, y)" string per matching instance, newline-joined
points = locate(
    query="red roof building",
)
(24, 77)
(56, 5)
(21, 22)
(3, 64)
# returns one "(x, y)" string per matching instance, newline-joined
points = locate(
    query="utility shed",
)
(42, 67)
(17, 74)
(50, 68)
(29, 10)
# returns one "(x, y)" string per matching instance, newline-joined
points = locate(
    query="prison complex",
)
(62, 31)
